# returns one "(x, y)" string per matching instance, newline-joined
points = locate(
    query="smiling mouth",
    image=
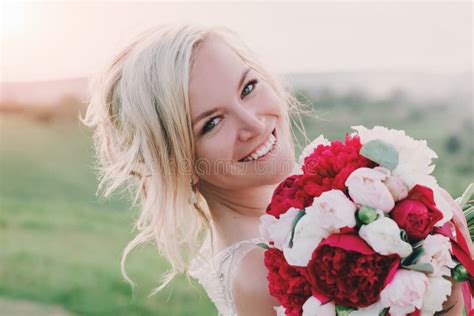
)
(262, 150)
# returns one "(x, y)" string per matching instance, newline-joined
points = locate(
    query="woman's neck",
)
(236, 214)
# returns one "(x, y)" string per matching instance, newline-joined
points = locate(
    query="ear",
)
(194, 179)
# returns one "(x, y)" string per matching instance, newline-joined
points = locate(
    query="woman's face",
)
(241, 135)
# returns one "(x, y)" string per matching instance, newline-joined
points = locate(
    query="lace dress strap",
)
(216, 274)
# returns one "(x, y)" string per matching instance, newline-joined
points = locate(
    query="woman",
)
(195, 169)
(191, 122)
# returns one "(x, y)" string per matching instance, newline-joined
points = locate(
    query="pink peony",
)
(366, 188)
(405, 293)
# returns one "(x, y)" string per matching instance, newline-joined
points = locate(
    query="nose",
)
(251, 125)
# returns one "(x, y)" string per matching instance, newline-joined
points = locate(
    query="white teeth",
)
(263, 150)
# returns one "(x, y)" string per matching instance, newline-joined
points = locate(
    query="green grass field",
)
(60, 245)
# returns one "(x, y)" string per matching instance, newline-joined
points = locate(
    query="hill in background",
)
(416, 85)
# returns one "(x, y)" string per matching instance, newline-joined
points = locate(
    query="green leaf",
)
(403, 235)
(417, 244)
(413, 257)
(295, 221)
(380, 152)
(343, 310)
(421, 267)
(263, 245)
(469, 214)
(466, 195)
(468, 210)
(468, 206)
(384, 312)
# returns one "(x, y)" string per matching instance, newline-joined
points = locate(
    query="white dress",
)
(216, 273)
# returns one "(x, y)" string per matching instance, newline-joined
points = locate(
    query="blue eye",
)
(249, 87)
(248, 90)
(210, 124)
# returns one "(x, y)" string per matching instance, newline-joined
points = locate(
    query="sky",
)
(56, 40)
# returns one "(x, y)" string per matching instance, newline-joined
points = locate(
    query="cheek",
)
(209, 150)
(271, 102)
(217, 145)
(274, 106)
(212, 155)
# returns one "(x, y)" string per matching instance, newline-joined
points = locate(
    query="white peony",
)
(383, 235)
(438, 254)
(438, 291)
(277, 230)
(329, 212)
(333, 210)
(280, 310)
(308, 234)
(414, 161)
(313, 307)
(366, 188)
(266, 221)
(405, 292)
(414, 156)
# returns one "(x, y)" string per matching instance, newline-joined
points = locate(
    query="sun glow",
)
(13, 19)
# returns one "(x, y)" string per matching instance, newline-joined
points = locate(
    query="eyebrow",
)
(242, 78)
(209, 112)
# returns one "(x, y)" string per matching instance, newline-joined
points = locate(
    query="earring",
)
(193, 196)
(193, 191)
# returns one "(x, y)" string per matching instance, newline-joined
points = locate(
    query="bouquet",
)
(364, 229)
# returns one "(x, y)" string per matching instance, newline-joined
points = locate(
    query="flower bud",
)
(459, 273)
(397, 188)
(367, 214)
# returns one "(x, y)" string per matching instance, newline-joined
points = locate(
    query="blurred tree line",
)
(446, 125)
(67, 108)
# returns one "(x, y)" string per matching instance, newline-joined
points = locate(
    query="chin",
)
(286, 167)
(274, 170)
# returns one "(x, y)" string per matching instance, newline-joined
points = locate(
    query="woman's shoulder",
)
(250, 288)
(220, 272)
(218, 255)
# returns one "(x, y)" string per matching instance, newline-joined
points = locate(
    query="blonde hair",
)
(139, 110)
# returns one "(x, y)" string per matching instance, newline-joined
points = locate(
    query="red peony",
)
(344, 269)
(417, 213)
(286, 283)
(329, 166)
(288, 194)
